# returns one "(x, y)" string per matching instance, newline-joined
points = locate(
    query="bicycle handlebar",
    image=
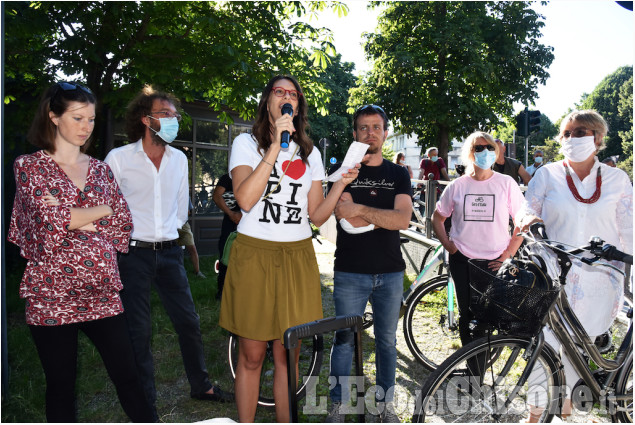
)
(596, 247)
(609, 252)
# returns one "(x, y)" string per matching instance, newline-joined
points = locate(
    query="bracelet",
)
(263, 160)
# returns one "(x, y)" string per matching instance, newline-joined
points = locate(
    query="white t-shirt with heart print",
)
(283, 215)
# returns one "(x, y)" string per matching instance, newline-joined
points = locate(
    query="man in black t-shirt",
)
(223, 197)
(368, 261)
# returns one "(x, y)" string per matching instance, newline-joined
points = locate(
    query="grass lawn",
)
(96, 397)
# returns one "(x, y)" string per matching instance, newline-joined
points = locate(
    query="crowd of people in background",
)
(98, 236)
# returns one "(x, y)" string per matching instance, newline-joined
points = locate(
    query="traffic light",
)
(522, 128)
(534, 122)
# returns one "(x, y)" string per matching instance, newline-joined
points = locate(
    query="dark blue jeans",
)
(140, 269)
(351, 292)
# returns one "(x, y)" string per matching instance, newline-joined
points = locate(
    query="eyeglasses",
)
(166, 114)
(577, 132)
(481, 148)
(280, 92)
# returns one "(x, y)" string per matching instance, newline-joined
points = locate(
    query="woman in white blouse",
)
(577, 198)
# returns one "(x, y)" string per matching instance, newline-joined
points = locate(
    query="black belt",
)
(153, 245)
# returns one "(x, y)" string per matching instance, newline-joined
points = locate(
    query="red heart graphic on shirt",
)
(296, 168)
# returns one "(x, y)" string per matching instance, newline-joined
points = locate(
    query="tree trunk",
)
(108, 140)
(444, 143)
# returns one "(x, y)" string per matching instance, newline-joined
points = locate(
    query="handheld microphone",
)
(284, 139)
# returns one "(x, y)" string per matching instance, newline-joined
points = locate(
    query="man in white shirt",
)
(153, 178)
(537, 163)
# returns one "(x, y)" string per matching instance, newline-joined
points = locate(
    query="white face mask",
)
(538, 160)
(577, 149)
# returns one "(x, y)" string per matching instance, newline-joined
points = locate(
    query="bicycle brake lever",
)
(590, 261)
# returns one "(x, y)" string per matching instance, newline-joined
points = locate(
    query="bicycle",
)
(488, 379)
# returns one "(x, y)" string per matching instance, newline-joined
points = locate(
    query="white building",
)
(408, 145)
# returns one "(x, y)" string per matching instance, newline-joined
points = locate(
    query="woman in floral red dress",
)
(69, 220)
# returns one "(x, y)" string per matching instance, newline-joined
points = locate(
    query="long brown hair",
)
(56, 99)
(262, 127)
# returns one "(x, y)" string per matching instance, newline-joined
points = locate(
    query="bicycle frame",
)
(562, 317)
(439, 258)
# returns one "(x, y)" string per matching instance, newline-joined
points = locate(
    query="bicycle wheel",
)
(479, 383)
(425, 323)
(625, 386)
(309, 367)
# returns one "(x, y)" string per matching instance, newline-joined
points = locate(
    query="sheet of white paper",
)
(356, 152)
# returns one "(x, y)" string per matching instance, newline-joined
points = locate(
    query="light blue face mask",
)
(485, 159)
(169, 128)
(434, 158)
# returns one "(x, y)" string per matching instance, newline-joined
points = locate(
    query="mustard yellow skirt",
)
(270, 287)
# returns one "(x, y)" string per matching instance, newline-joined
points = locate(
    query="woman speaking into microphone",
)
(273, 280)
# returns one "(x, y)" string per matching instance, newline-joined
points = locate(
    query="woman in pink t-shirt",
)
(480, 204)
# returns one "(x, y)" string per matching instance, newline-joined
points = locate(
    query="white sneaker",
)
(334, 415)
(201, 275)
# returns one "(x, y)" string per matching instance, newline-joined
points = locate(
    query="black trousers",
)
(459, 269)
(140, 270)
(57, 348)
(460, 272)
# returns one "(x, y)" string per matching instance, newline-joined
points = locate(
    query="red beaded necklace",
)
(574, 191)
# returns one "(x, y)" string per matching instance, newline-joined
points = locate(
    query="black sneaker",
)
(217, 395)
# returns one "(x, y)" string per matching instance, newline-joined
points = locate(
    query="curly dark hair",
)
(141, 106)
(262, 128)
(56, 99)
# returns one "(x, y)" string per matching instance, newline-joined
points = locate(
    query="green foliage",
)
(444, 69)
(221, 52)
(605, 99)
(625, 109)
(550, 151)
(337, 124)
(387, 152)
(505, 132)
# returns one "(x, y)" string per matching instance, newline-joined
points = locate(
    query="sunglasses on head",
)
(374, 108)
(481, 148)
(73, 86)
(370, 108)
(65, 86)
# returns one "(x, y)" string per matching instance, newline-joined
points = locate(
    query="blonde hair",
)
(590, 119)
(467, 153)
